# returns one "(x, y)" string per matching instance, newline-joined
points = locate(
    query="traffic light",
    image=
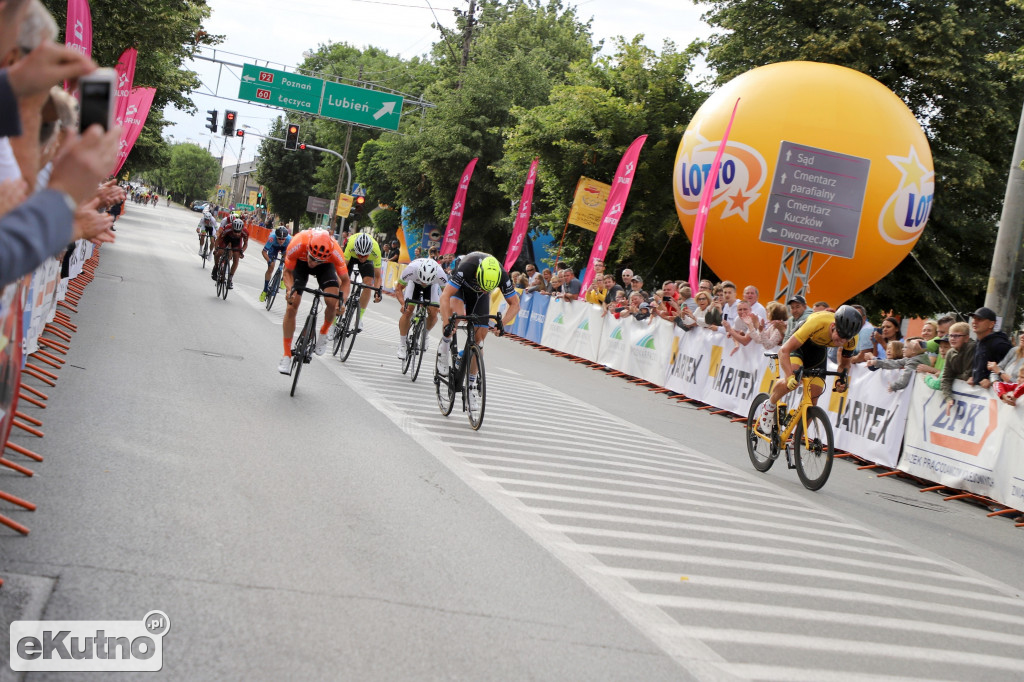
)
(356, 212)
(229, 123)
(259, 198)
(212, 118)
(291, 138)
(239, 133)
(302, 146)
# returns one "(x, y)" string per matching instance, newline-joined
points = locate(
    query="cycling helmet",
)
(207, 215)
(488, 273)
(237, 225)
(320, 244)
(848, 321)
(281, 233)
(427, 274)
(363, 245)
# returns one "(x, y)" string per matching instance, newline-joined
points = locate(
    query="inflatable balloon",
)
(820, 158)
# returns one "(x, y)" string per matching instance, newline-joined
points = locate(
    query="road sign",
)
(816, 200)
(317, 205)
(344, 204)
(247, 207)
(357, 190)
(293, 91)
(359, 105)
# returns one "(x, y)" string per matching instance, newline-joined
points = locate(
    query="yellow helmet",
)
(488, 273)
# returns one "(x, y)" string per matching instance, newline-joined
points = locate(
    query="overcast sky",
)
(281, 31)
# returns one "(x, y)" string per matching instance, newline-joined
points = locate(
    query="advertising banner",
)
(588, 203)
(585, 339)
(562, 318)
(451, 232)
(869, 420)
(538, 312)
(515, 244)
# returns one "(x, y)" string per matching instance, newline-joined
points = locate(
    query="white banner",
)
(585, 339)
(650, 349)
(614, 347)
(41, 303)
(868, 420)
(735, 374)
(688, 371)
(562, 319)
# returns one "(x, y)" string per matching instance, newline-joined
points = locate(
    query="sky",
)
(279, 32)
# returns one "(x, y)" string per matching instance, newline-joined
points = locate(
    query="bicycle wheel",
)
(221, 283)
(814, 459)
(347, 334)
(421, 348)
(302, 351)
(475, 392)
(227, 281)
(275, 282)
(204, 254)
(445, 386)
(410, 344)
(762, 450)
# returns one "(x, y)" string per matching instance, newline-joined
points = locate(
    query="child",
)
(1008, 392)
(907, 358)
(934, 373)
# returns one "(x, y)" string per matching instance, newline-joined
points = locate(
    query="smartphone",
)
(666, 299)
(97, 90)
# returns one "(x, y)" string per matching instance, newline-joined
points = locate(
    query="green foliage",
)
(166, 33)
(943, 59)
(193, 172)
(288, 176)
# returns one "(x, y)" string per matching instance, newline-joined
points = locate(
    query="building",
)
(237, 178)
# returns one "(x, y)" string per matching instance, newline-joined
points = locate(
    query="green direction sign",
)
(359, 105)
(247, 207)
(280, 89)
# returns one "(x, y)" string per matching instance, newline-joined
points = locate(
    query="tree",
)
(288, 176)
(166, 33)
(193, 171)
(940, 59)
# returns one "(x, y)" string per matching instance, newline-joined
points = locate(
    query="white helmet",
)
(427, 274)
(364, 245)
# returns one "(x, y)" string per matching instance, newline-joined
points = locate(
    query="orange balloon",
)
(821, 158)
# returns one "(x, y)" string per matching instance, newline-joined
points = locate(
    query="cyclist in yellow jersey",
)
(808, 347)
(362, 252)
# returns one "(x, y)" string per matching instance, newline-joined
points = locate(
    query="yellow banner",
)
(588, 204)
(252, 197)
(344, 205)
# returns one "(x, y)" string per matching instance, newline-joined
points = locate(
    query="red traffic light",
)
(239, 133)
(302, 145)
(293, 129)
(359, 201)
(229, 116)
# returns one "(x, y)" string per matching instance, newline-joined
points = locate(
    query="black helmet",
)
(281, 232)
(848, 321)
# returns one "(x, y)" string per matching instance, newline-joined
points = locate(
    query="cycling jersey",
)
(272, 248)
(416, 292)
(817, 330)
(464, 277)
(409, 274)
(350, 251)
(230, 237)
(298, 250)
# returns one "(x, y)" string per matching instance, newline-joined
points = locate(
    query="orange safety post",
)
(29, 371)
(66, 323)
(31, 420)
(14, 525)
(48, 361)
(33, 390)
(738, 419)
(869, 466)
(54, 345)
(26, 427)
(17, 467)
(57, 332)
(24, 451)
(29, 365)
(64, 304)
(931, 488)
(1002, 511)
(37, 403)
(17, 500)
(49, 355)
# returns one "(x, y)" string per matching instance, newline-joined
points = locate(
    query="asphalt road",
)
(590, 530)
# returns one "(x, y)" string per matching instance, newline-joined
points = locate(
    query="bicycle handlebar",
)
(455, 319)
(367, 286)
(320, 292)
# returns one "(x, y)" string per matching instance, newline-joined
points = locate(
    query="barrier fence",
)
(35, 331)
(978, 447)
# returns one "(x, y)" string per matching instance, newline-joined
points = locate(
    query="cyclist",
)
(468, 292)
(362, 252)
(236, 237)
(420, 282)
(207, 225)
(311, 252)
(808, 347)
(275, 245)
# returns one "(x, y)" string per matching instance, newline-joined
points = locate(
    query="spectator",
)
(889, 331)
(637, 286)
(772, 334)
(699, 315)
(821, 306)
(686, 298)
(728, 301)
(611, 288)
(519, 280)
(533, 277)
(959, 361)
(798, 314)
(992, 345)
(705, 285)
(929, 330)
(667, 302)
(548, 278)
(1010, 365)
(638, 308)
(433, 253)
(627, 279)
(739, 329)
(597, 292)
(750, 295)
(618, 305)
(913, 356)
(570, 285)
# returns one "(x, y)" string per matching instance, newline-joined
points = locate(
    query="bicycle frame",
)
(806, 401)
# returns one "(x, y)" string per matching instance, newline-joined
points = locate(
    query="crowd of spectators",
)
(55, 183)
(943, 350)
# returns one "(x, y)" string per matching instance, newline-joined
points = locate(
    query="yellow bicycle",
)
(804, 432)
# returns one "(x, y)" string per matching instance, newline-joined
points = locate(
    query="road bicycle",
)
(275, 281)
(416, 341)
(804, 432)
(302, 351)
(205, 251)
(224, 276)
(474, 393)
(347, 325)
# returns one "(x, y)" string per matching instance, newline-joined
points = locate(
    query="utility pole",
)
(467, 38)
(1004, 277)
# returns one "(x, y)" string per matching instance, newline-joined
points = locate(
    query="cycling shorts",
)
(417, 293)
(811, 356)
(326, 275)
(476, 303)
(365, 269)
